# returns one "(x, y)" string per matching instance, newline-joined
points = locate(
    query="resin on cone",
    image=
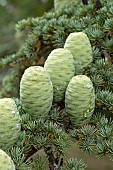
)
(9, 123)
(6, 163)
(80, 100)
(60, 67)
(79, 45)
(36, 92)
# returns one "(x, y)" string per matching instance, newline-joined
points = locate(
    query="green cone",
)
(80, 100)
(36, 92)
(60, 67)
(9, 123)
(80, 47)
(6, 162)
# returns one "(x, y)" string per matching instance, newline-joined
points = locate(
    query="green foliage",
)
(101, 75)
(53, 133)
(39, 163)
(19, 159)
(74, 164)
(96, 137)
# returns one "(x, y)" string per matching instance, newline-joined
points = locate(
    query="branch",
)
(96, 138)
(55, 163)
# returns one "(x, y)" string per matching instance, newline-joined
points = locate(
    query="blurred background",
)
(12, 11)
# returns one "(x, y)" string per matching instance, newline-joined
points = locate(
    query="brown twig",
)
(55, 163)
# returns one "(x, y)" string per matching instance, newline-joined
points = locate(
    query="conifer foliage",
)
(82, 111)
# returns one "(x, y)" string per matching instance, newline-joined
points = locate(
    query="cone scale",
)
(80, 100)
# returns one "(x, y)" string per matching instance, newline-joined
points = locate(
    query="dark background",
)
(12, 11)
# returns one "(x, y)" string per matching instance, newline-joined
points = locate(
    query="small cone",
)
(6, 162)
(36, 92)
(60, 67)
(80, 100)
(80, 47)
(9, 123)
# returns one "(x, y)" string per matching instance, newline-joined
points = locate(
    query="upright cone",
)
(6, 162)
(80, 100)
(60, 67)
(9, 123)
(80, 47)
(36, 92)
